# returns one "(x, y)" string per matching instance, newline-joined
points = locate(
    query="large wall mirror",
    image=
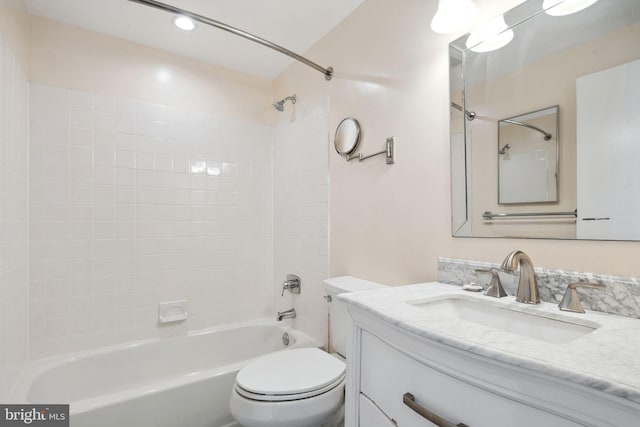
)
(545, 127)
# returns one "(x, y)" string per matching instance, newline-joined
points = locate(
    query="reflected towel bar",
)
(488, 215)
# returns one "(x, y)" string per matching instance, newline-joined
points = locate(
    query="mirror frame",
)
(555, 110)
(354, 144)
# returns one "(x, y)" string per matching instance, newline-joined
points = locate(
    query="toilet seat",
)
(290, 375)
(287, 397)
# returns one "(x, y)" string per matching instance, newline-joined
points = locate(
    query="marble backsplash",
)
(620, 296)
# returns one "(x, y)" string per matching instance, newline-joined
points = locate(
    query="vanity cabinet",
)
(387, 374)
(386, 362)
(371, 415)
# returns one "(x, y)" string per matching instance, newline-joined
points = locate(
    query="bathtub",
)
(170, 382)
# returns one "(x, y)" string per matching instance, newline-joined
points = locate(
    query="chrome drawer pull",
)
(410, 401)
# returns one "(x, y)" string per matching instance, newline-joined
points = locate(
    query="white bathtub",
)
(171, 382)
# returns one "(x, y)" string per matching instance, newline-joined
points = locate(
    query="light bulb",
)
(491, 36)
(454, 16)
(566, 7)
(184, 23)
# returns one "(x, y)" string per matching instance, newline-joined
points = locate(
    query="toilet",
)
(301, 387)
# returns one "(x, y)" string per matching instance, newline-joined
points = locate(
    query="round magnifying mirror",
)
(347, 136)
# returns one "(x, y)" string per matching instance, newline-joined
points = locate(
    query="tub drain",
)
(285, 339)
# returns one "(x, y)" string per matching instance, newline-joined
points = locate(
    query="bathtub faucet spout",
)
(287, 314)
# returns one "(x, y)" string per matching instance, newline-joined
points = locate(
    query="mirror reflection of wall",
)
(538, 68)
(608, 178)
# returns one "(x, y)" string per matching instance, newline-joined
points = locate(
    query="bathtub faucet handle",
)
(292, 284)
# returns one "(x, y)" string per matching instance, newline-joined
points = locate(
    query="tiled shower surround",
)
(133, 204)
(14, 143)
(301, 212)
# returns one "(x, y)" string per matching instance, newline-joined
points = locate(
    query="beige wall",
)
(14, 228)
(390, 223)
(14, 25)
(70, 57)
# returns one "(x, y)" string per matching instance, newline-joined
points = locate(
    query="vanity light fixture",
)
(491, 36)
(565, 7)
(454, 16)
(184, 23)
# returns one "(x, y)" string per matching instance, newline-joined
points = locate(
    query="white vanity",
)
(477, 361)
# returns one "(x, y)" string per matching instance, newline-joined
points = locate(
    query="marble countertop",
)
(606, 359)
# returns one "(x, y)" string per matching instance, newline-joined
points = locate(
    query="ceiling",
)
(294, 24)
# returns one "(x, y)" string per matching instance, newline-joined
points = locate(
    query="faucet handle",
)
(571, 299)
(495, 288)
(292, 283)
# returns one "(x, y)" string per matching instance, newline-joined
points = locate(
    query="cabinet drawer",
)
(387, 374)
(371, 415)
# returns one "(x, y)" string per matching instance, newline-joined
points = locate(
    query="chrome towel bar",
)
(488, 215)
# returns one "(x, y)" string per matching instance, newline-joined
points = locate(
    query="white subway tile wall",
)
(133, 204)
(14, 227)
(301, 213)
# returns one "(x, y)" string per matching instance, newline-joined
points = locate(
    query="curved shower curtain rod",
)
(547, 135)
(471, 115)
(328, 72)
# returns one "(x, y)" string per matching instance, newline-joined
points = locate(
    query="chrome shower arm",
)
(328, 72)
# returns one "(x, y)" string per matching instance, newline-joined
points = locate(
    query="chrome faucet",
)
(292, 284)
(287, 314)
(527, 285)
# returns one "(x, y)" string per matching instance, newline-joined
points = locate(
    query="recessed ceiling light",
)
(184, 23)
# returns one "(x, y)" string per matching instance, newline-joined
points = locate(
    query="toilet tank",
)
(338, 312)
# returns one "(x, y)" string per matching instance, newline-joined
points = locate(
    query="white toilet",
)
(300, 387)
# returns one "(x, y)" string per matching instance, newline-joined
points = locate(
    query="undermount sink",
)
(557, 329)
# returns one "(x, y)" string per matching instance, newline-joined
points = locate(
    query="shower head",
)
(279, 105)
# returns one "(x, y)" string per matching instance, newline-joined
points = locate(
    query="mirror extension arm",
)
(389, 152)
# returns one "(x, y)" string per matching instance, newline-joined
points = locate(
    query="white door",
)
(608, 153)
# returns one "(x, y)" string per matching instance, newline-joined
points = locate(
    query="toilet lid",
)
(291, 372)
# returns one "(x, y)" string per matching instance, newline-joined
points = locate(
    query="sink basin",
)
(557, 329)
